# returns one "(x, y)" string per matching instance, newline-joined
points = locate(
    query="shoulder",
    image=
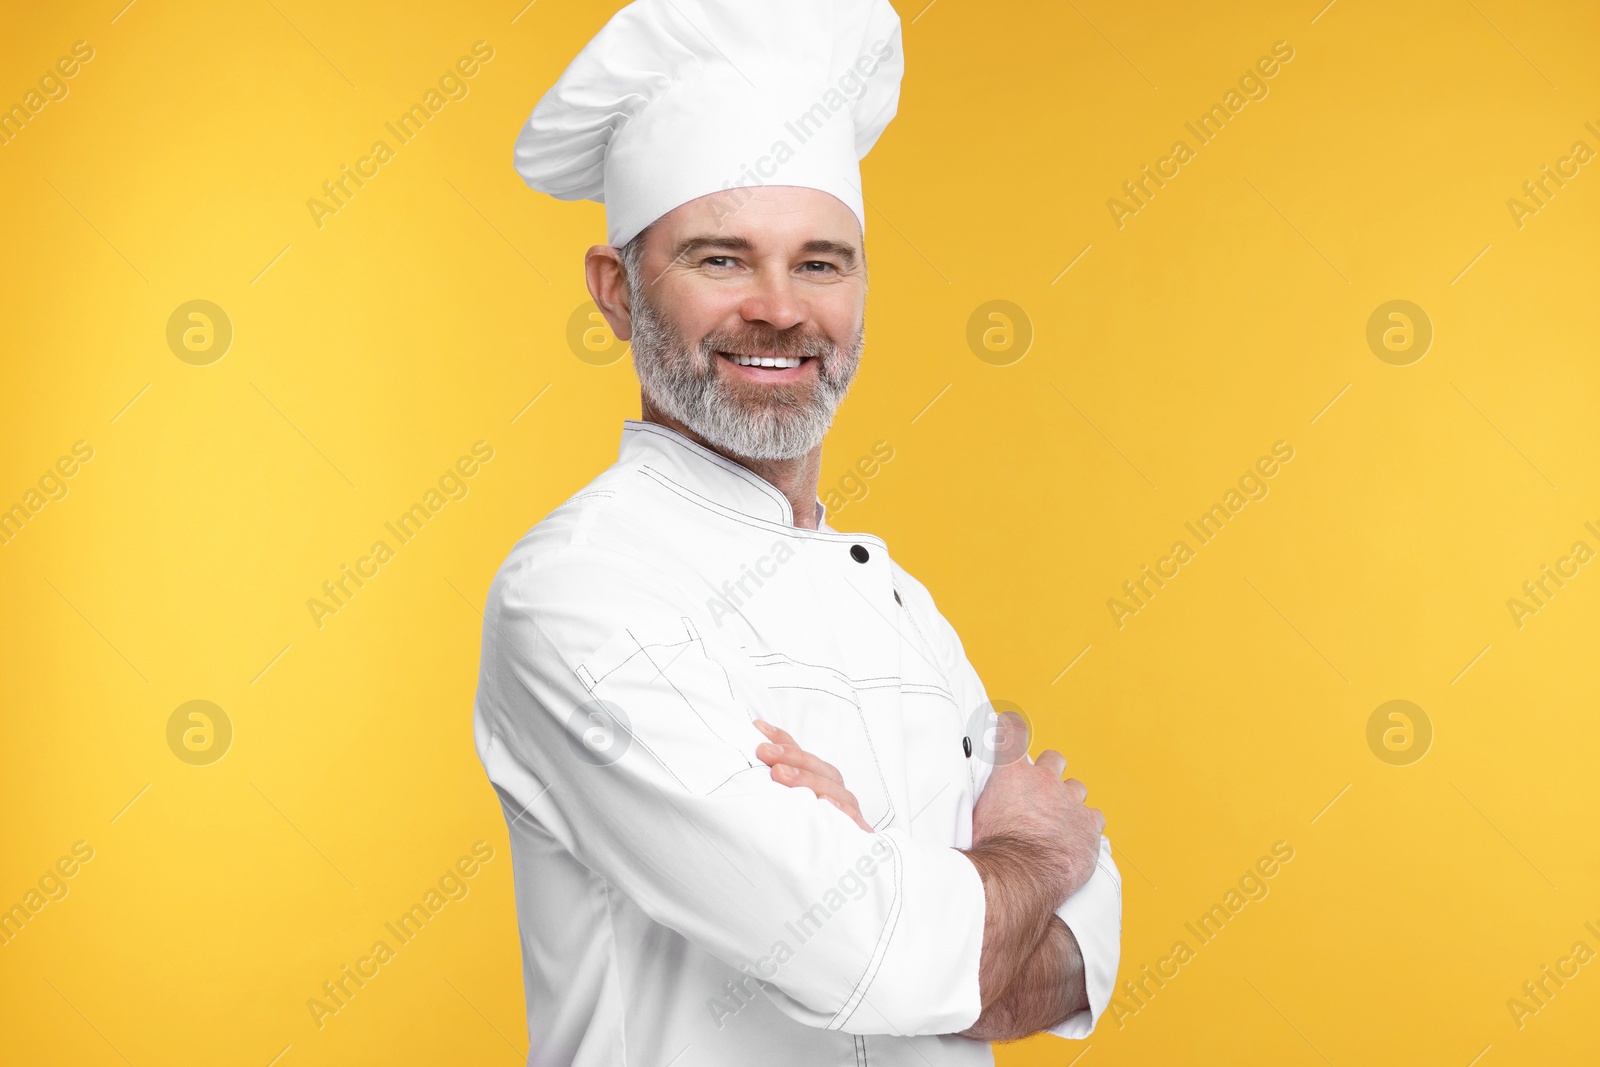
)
(609, 513)
(588, 560)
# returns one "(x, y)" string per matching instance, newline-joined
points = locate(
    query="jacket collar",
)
(706, 473)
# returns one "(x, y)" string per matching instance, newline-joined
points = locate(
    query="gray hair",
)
(632, 255)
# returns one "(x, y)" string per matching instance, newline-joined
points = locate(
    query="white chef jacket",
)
(678, 906)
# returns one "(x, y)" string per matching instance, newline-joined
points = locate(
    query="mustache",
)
(769, 342)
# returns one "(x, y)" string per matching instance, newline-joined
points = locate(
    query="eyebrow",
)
(729, 243)
(845, 252)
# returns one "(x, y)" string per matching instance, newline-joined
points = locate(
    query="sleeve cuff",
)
(923, 975)
(918, 987)
(1094, 915)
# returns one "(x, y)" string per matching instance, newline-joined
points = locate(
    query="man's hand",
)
(793, 765)
(1034, 844)
(1029, 803)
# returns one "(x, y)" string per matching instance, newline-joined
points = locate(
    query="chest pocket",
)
(937, 739)
(822, 709)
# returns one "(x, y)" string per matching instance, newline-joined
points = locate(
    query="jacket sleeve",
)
(1094, 915)
(1094, 912)
(628, 729)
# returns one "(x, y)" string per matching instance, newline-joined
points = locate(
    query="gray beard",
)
(777, 421)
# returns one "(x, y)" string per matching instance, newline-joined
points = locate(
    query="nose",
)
(773, 299)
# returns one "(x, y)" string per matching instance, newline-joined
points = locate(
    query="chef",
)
(761, 810)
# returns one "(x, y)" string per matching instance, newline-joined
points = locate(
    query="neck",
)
(795, 478)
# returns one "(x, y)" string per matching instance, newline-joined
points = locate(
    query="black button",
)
(966, 746)
(859, 553)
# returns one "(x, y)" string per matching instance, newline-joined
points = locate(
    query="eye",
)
(717, 261)
(819, 263)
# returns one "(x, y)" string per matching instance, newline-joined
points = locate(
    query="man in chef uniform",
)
(761, 811)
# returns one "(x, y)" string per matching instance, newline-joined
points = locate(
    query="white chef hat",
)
(676, 99)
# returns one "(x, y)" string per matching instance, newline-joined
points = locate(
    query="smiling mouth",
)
(776, 362)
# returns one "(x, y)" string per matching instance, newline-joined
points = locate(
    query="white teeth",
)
(766, 361)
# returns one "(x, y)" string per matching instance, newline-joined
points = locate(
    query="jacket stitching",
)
(731, 777)
(616, 965)
(1115, 881)
(688, 624)
(631, 656)
(859, 993)
(927, 646)
(928, 689)
(721, 462)
(853, 688)
(760, 524)
(690, 704)
(885, 681)
(824, 692)
(634, 738)
(859, 682)
(633, 734)
(785, 657)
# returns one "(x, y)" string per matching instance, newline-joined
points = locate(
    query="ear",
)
(608, 285)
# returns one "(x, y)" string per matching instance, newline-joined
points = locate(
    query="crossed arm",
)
(1048, 989)
(1040, 976)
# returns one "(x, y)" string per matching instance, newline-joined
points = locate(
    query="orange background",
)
(432, 311)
